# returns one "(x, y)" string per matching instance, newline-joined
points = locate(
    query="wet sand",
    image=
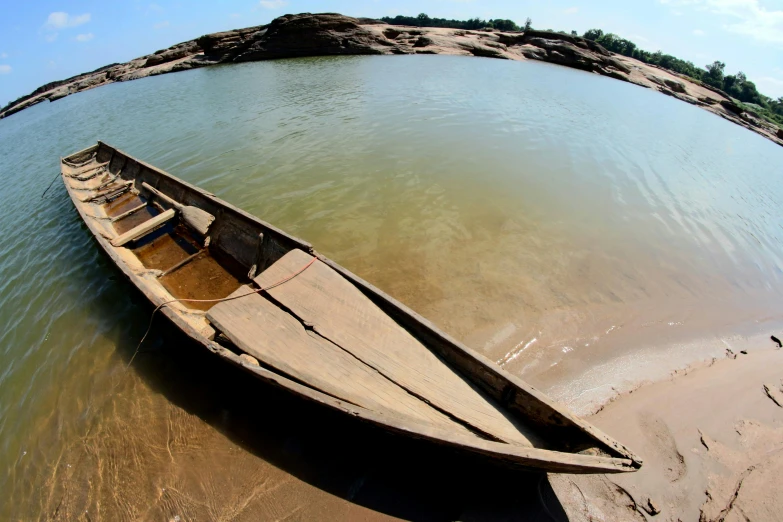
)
(711, 439)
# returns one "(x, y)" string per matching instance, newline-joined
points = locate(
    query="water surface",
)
(556, 221)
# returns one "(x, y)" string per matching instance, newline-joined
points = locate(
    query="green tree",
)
(777, 106)
(423, 19)
(715, 74)
(749, 94)
(503, 25)
(730, 84)
(475, 23)
(593, 34)
(528, 24)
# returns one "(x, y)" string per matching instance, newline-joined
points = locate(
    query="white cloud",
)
(5, 69)
(273, 4)
(698, 32)
(61, 20)
(571, 10)
(84, 37)
(746, 17)
(161, 25)
(4, 55)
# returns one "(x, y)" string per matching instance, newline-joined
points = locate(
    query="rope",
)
(231, 298)
(50, 185)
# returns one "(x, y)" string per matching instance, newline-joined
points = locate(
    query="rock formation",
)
(333, 34)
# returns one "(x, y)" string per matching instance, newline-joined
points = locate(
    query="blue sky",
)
(42, 41)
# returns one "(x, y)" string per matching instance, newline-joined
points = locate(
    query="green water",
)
(552, 219)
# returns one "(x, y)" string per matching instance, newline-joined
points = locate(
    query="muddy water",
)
(578, 230)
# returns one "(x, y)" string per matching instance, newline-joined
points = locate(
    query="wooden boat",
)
(270, 304)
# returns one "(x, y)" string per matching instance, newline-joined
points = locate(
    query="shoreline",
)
(599, 385)
(711, 438)
(330, 34)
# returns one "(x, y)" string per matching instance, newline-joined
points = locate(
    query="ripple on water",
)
(556, 221)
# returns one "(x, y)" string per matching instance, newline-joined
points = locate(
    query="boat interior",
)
(270, 298)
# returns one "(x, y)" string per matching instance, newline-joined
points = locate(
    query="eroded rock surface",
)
(334, 34)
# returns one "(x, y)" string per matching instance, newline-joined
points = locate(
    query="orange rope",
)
(284, 280)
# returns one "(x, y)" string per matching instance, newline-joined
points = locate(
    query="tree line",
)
(735, 85)
(423, 20)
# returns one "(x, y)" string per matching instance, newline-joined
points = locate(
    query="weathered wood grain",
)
(77, 173)
(499, 452)
(107, 192)
(91, 175)
(280, 341)
(338, 311)
(198, 219)
(128, 213)
(182, 263)
(143, 229)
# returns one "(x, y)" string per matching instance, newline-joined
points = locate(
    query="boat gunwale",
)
(530, 458)
(307, 247)
(485, 363)
(535, 458)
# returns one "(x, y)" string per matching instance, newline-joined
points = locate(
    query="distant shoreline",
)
(334, 34)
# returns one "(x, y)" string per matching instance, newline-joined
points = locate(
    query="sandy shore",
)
(711, 439)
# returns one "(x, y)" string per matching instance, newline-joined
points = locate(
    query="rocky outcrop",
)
(313, 35)
(177, 52)
(40, 94)
(563, 52)
(334, 34)
(731, 106)
(675, 85)
(222, 47)
(573, 40)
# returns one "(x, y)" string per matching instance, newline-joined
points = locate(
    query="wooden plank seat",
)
(280, 341)
(144, 228)
(336, 310)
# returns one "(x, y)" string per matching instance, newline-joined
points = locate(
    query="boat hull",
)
(571, 445)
